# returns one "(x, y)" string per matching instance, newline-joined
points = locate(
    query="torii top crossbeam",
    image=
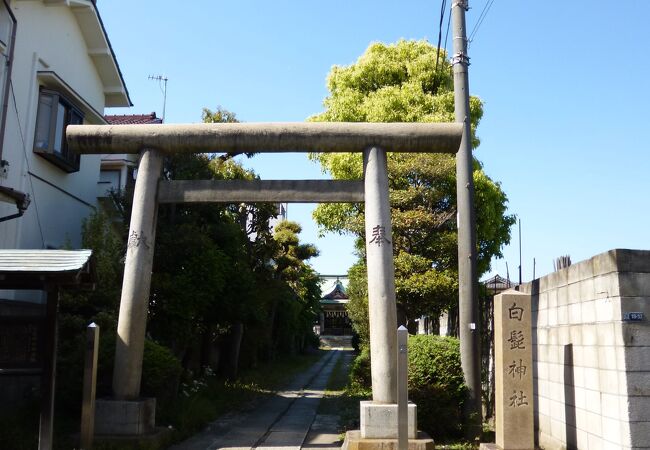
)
(266, 137)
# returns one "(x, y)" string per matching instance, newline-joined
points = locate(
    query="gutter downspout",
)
(22, 201)
(13, 216)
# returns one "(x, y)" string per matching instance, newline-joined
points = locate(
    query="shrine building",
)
(333, 319)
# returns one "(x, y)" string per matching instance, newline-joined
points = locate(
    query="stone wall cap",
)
(612, 261)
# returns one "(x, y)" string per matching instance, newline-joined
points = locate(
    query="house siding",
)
(48, 39)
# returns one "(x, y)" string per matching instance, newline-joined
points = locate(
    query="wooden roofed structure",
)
(28, 343)
(333, 319)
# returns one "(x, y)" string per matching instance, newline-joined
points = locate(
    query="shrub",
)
(356, 342)
(161, 372)
(436, 384)
(360, 370)
(435, 380)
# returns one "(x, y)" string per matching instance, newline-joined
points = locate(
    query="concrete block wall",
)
(592, 368)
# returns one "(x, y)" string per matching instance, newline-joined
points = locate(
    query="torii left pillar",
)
(127, 413)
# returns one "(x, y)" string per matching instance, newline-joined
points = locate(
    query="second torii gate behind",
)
(153, 141)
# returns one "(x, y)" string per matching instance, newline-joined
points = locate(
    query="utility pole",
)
(468, 311)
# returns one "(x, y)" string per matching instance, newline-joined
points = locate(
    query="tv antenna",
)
(162, 83)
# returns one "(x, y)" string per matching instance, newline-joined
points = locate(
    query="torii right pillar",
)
(379, 417)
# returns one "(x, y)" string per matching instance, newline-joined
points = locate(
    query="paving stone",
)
(281, 422)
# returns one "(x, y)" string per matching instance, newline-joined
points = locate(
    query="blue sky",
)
(565, 87)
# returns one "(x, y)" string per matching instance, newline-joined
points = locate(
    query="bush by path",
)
(435, 381)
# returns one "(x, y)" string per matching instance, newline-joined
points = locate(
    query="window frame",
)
(64, 159)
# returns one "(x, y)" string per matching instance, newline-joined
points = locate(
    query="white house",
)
(62, 70)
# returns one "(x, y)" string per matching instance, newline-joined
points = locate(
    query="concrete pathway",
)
(280, 422)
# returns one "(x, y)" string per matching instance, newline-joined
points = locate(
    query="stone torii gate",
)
(152, 142)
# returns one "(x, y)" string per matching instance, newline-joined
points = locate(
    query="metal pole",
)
(89, 387)
(9, 64)
(534, 264)
(468, 314)
(402, 388)
(48, 378)
(520, 252)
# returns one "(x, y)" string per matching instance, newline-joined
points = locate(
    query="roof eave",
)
(101, 52)
(38, 269)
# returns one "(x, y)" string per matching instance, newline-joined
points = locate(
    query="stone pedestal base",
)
(162, 437)
(379, 421)
(125, 417)
(491, 446)
(354, 441)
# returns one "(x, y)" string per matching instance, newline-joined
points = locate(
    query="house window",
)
(109, 180)
(54, 114)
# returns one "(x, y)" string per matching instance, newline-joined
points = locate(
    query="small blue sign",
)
(633, 316)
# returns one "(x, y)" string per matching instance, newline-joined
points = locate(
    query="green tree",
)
(400, 83)
(220, 273)
(294, 314)
(77, 309)
(208, 265)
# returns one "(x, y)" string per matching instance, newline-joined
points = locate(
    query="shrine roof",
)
(334, 302)
(337, 292)
(498, 283)
(34, 269)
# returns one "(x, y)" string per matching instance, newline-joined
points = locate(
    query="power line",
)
(443, 7)
(31, 183)
(479, 22)
(447, 33)
(481, 18)
(451, 67)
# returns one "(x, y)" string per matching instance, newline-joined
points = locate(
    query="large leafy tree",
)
(293, 315)
(222, 277)
(410, 81)
(204, 276)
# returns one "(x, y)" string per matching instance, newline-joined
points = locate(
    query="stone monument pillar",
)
(513, 350)
(126, 413)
